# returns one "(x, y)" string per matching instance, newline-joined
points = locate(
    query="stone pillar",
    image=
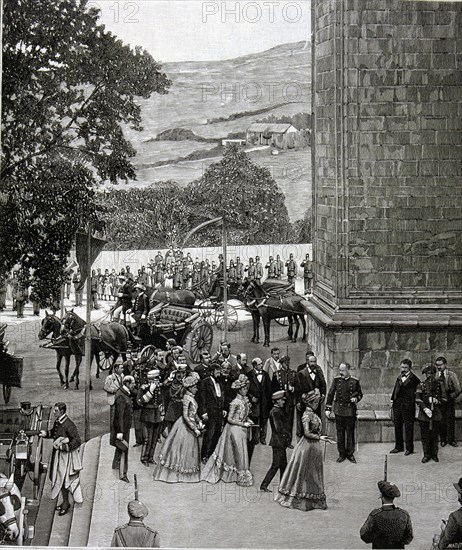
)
(387, 185)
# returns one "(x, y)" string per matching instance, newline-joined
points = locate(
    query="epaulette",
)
(121, 527)
(151, 530)
(354, 378)
(375, 512)
(338, 377)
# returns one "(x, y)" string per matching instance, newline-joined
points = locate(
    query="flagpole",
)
(88, 341)
(225, 283)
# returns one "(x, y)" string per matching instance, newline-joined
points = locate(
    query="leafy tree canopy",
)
(69, 87)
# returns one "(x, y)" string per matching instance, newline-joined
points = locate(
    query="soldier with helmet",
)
(387, 526)
(272, 268)
(135, 534)
(291, 266)
(250, 269)
(258, 270)
(307, 265)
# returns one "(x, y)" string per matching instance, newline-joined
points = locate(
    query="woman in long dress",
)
(302, 485)
(230, 460)
(179, 458)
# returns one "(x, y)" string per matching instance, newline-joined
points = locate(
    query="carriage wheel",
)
(198, 339)
(282, 321)
(6, 393)
(220, 315)
(207, 309)
(106, 361)
(148, 352)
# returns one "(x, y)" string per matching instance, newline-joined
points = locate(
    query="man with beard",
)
(203, 369)
(226, 383)
(224, 354)
(260, 400)
(212, 404)
(272, 363)
(309, 377)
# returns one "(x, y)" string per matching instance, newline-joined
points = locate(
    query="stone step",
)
(81, 519)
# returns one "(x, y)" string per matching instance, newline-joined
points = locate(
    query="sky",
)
(191, 30)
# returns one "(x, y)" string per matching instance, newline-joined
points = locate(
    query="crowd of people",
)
(174, 270)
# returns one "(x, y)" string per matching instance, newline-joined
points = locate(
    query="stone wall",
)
(387, 192)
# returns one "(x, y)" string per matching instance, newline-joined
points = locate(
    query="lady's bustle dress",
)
(230, 460)
(179, 458)
(302, 485)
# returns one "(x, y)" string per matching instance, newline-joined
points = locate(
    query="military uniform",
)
(239, 273)
(251, 272)
(429, 427)
(291, 270)
(152, 416)
(452, 534)
(258, 271)
(307, 274)
(135, 534)
(232, 278)
(272, 268)
(284, 379)
(387, 527)
(344, 389)
(279, 268)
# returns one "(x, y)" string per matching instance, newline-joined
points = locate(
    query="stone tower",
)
(387, 185)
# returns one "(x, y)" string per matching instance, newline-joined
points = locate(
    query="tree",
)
(69, 88)
(302, 228)
(245, 195)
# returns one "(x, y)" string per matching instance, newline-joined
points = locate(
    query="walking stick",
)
(385, 469)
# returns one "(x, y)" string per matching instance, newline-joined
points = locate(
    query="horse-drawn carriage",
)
(10, 367)
(22, 470)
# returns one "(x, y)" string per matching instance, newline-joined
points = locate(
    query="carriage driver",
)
(140, 308)
(124, 298)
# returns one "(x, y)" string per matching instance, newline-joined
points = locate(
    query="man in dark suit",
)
(280, 440)
(211, 399)
(203, 369)
(284, 379)
(121, 424)
(309, 377)
(263, 383)
(452, 386)
(347, 392)
(403, 408)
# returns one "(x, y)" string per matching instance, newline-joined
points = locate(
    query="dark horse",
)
(108, 338)
(53, 325)
(167, 295)
(274, 299)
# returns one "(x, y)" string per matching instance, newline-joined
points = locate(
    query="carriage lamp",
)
(22, 446)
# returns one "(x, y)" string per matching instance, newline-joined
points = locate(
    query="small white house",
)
(269, 133)
(239, 142)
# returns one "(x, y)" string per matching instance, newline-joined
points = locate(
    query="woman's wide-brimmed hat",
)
(241, 382)
(191, 380)
(311, 396)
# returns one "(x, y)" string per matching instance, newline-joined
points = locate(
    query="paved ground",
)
(225, 515)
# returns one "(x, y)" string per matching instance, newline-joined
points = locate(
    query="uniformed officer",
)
(177, 281)
(279, 267)
(272, 268)
(388, 526)
(186, 275)
(307, 265)
(140, 308)
(291, 266)
(232, 278)
(152, 415)
(284, 379)
(239, 271)
(250, 269)
(258, 270)
(347, 392)
(429, 396)
(135, 533)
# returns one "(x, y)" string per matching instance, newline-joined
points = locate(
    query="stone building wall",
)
(388, 122)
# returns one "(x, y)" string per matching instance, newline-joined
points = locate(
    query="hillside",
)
(276, 81)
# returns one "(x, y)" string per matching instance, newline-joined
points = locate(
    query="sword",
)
(136, 488)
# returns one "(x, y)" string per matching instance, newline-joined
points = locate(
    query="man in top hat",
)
(120, 427)
(152, 415)
(347, 392)
(448, 413)
(429, 396)
(135, 534)
(280, 439)
(140, 309)
(388, 526)
(403, 408)
(452, 533)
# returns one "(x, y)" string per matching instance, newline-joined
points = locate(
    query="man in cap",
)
(429, 396)
(120, 427)
(403, 408)
(388, 526)
(452, 532)
(135, 533)
(280, 439)
(140, 308)
(284, 379)
(152, 414)
(346, 390)
(307, 265)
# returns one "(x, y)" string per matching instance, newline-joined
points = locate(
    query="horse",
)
(53, 325)
(274, 299)
(163, 294)
(10, 509)
(108, 338)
